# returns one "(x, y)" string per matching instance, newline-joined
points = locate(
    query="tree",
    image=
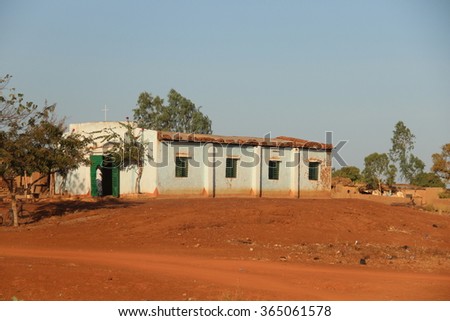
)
(53, 150)
(33, 140)
(128, 151)
(441, 163)
(351, 172)
(401, 152)
(414, 168)
(13, 110)
(391, 174)
(150, 112)
(428, 180)
(179, 114)
(376, 169)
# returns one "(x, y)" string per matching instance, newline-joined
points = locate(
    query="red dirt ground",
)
(225, 249)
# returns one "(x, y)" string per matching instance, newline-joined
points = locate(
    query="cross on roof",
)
(105, 110)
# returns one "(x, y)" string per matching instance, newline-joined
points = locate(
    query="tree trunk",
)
(12, 192)
(14, 208)
(137, 187)
(52, 184)
(26, 184)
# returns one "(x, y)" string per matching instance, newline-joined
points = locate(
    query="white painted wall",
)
(246, 165)
(167, 182)
(128, 175)
(282, 186)
(207, 166)
(314, 156)
(78, 182)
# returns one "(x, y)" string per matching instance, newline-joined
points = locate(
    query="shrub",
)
(445, 194)
(427, 180)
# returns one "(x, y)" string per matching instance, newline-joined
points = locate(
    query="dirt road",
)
(226, 249)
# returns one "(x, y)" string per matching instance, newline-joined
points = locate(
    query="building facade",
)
(176, 164)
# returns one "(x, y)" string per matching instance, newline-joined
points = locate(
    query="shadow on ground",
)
(40, 211)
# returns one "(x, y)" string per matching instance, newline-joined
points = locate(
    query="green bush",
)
(351, 172)
(427, 180)
(445, 194)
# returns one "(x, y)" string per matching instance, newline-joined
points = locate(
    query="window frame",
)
(313, 171)
(231, 172)
(274, 171)
(181, 171)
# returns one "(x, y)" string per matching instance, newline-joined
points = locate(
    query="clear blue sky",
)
(296, 68)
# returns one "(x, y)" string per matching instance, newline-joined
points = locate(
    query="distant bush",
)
(427, 180)
(445, 194)
(429, 208)
(350, 172)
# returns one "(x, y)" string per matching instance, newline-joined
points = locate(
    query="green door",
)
(111, 176)
(95, 160)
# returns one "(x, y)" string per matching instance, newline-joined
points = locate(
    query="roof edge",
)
(281, 141)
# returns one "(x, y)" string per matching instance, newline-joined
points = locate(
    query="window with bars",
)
(231, 168)
(274, 170)
(181, 167)
(314, 171)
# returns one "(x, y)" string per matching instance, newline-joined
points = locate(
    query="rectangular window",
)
(181, 167)
(314, 171)
(231, 169)
(274, 170)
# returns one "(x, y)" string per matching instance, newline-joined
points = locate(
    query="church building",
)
(183, 164)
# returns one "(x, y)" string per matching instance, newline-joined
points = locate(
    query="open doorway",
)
(110, 176)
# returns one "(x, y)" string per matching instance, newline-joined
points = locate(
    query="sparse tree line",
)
(383, 168)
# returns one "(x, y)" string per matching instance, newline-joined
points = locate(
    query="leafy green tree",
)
(33, 140)
(376, 169)
(178, 115)
(401, 152)
(128, 150)
(15, 159)
(52, 150)
(150, 112)
(391, 174)
(351, 172)
(441, 163)
(415, 167)
(427, 180)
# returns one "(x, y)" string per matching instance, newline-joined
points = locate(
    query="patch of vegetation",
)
(429, 208)
(350, 172)
(445, 194)
(427, 180)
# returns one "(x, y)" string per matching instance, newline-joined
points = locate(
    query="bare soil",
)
(225, 249)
